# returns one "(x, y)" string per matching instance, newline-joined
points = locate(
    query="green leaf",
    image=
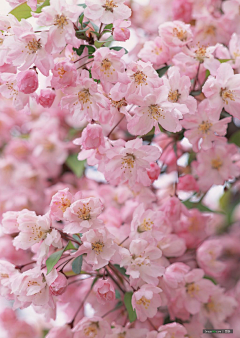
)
(235, 138)
(162, 71)
(83, 5)
(117, 294)
(80, 19)
(76, 166)
(77, 265)
(109, 26)
(22, 11)
(200, 207)
(44, 333)
(54, 258)
(122, 270)
(95, 27)
(79, 50)
(99, 44)
(128, 303)
(119, 48)
(94, 282)
(195, 92)
(207, 74)
(224, 60)
(46, 3)
(211, 279)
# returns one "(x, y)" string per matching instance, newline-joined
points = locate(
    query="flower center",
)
(139, 78)
(213, 307)
(192, 288)
(216, 163)
(174, 96)
(205, 126)
(33, 46)
(84, 212)
(84, 96)
(4, 275)
(98, 247)
(128, 162)
(210, 30)
(180, 34)
(122, 335)
(64, 204)
(200, 53)
(227, 95)
(157, 50)
(61, 71)
(145, 226)
(105, 65)
(109, 5)
(60, 21)
(155, 112)
(119, 104)
(144, 301)
(48, 145)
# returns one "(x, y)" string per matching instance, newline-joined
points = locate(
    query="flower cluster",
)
(110, 162)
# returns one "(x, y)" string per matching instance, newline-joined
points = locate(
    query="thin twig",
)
(115, 126)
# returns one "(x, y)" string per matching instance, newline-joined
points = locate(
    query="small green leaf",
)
(119, 48)
(200, 207)
(83, 5)
(162, 71)
(54, 258)
(224, 60)
(94, 282)
(109, 26)
(69, 246)
(211, 279)
(128, 303)
(195, 92)
(235, 138)
(77, 265)
(122, 270)
(46, 3)
(22, 11)
(44, 333)
(207, 74)
(95, 27)
(80, 19)
(117, 294)
(76, 166)
(79, 50)
(99, 44)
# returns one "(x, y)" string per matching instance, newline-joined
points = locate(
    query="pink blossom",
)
(27, 81)
(59, 285)
(118, 330)
(98, 246)
(171, 245)
(64, 74)
(59, 203)
(104, 291)
(155, 51)
(92, 137)
(120, 32)
(146, 301)
(175, 33)
(95, 327)
(107, 11)
(142, 261)
(187, 183)
(60, 332)
(207, 257)
(31, 3)
(130, 163)
(7, 271)
(171, 330)
(182, 10)
(174, 275)
(82, 215)
(154, 171)
(10, 220)
(215, 166)
(223, 91)
(46, 98)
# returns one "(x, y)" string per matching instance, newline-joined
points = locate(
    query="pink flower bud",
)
(27, 81)
(121, 32)
(104, 291)
(58, 287)
(154, 171)
(46, 98)
(187, 183)
(92, 137)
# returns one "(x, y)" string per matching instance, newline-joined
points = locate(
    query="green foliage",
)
(76, 166)
(128, 304)
(122, 270)
(117, 294)
(117, 48)
(195, 92)
(235, 138)
(109, 26)
(54, 258)
(224, 60)
(46, 3)
(77, 265)
(80, 50)
(23, 11)
(162, 71)
(200, 207)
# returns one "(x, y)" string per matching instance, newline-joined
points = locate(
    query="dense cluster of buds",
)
(110, 165)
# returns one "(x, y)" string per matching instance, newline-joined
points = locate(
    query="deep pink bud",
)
(27, 81)
(92, 137)
(46, 97)
(154, 171)
(58, 287)
(121, 32)
(104, 291)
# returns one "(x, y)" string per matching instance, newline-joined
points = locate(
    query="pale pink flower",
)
(175, 33)
(182, 10)
(59, 204)
(187, 183)
(98, 246)
(234, 51)
(129, 164)
(171, 330)
(171, 245)
(46, 98)
(60, 332)
(86, 99)
(120, 30)
(223, 91)
(179, 88)
(64, 74)
(204, 126)
(207, 257)
(10, 220)
(126, 332)
(27, 81)
(107, 11)
(174, 275)
(7, 271)
(92, 137)
(27, 48)
(92, 327)
(215, 165)
(60, 16)
(154, 109)
(142, 261)
(155, 51)
(146, 301)
(104, 291)
(59, 285)
(31, 3)
(82, 215)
